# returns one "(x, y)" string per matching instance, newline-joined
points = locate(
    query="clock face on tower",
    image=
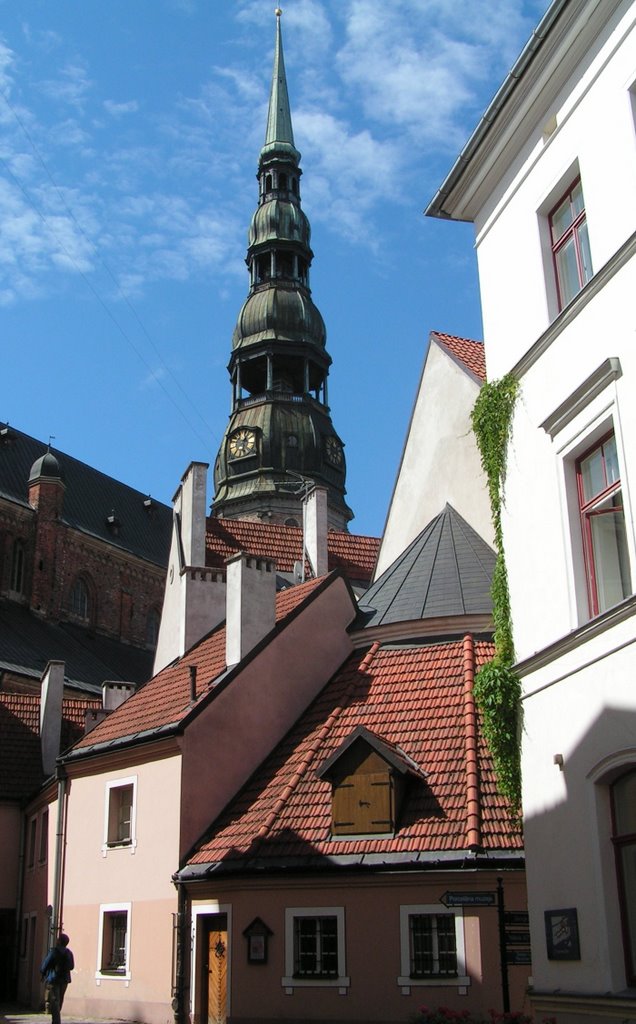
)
(333, 449)
(242, 443)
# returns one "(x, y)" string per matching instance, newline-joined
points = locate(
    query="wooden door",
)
(217, 955)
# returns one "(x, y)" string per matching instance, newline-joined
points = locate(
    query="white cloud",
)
(71, 87)
(419, 67)
(119, 109)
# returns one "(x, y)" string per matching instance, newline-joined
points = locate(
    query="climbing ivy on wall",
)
(497, 687)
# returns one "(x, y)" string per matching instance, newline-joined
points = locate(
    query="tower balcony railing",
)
(279, 396)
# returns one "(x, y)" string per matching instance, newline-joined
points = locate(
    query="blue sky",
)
(130, 134)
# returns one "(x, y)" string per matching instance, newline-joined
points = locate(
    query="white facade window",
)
(113, 947)
(570, 243)
(120, 814)
(432, 946)
(603, 526)
(315, 947)
(598, 535)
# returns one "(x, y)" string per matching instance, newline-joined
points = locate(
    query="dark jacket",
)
(57, 965)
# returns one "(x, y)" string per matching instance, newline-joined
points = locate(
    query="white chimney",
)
(194, 598)
(250, 605)
(115, 693)
(51, 694)
(315, 512)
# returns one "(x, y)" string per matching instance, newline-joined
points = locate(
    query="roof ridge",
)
(315, 745)
(473, 792)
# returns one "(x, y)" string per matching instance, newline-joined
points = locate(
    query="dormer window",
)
(368, 779)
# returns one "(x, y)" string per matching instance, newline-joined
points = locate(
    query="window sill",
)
(112, 976)
(458, 981)
(129, 844)
(291, 983)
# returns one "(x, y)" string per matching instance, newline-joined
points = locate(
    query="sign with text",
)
(469, 899)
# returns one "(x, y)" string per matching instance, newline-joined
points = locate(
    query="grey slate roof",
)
(89, 498)
(446, 570)
(28, 643)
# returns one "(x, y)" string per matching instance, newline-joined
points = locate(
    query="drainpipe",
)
(60, 848)
(179, 986)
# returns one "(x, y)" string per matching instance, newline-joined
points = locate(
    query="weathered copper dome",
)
(279, 314)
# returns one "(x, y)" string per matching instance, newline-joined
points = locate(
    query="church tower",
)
(280, 439)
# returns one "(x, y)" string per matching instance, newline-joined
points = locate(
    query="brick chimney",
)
(52, 691)
(250, 604)
(315, 512)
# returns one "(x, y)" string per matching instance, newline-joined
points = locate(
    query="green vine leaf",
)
(497, 687)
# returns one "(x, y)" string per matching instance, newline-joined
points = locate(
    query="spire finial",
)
(278, 12)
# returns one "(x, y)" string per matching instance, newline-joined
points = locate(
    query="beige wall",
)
(225, 744)
(372, 940)
(440, 462)
(138, 876)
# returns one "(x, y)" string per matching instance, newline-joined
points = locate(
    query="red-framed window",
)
(570, 244)
(623, 793)
(603, 526)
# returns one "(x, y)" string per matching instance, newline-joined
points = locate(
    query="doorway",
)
(215, 970)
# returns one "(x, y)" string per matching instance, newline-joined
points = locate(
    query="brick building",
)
(82, 569)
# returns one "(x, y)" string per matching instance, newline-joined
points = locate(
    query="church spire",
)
(280, 439)
(279, 134)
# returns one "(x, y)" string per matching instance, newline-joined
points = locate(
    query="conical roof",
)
(446, 571)
(279, 135)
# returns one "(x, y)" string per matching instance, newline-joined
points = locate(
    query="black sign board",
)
(518, 956)
(517, 938)
(469, 899)
(519, 917)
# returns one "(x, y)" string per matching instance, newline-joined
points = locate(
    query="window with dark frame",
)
(603, 526)
(114, 936)
(79, 603)
(32, 835)
(623, 794)
(120, 808)
(570, 244)
(433, 946)
(44, 836)
(315, 947)
(17, 567)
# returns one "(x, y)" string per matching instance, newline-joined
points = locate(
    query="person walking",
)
(56, 970)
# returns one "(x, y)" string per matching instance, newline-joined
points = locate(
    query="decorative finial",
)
(278, 12)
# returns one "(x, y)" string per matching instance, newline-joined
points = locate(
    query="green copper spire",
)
(279, 135)
(280, 434)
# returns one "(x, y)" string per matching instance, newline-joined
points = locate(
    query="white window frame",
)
(545, 209)
(104, 910)
(591, 412)
(130, 780)
(288, 981)
(406, 982)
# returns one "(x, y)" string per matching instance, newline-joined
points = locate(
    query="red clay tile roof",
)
(354, 554)
(410, 696)
(20, 755)
(165, 700)
(470, 353)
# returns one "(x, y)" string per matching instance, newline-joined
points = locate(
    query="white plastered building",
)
(549, 180)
